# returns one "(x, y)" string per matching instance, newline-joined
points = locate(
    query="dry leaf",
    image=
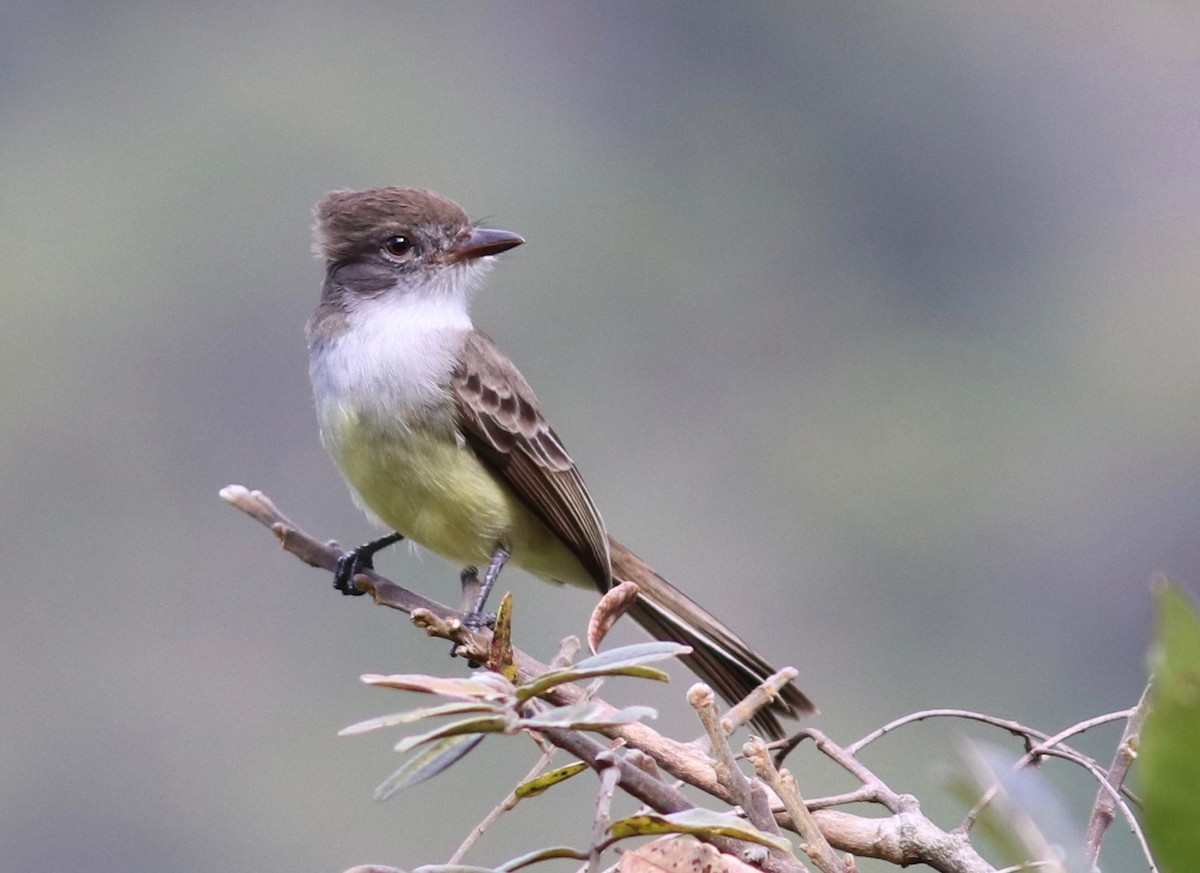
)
(680, 855)
(612, 606)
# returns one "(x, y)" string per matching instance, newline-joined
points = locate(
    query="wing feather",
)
(501, 418)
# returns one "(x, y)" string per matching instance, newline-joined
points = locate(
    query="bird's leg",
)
(470, 589)
(476, 618)
(362, 558)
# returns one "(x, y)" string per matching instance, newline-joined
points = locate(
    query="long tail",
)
(719, 656)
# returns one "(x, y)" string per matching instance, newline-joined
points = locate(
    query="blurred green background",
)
(873, 325)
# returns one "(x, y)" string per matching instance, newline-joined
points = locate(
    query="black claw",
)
(357, 560)
(347, 566)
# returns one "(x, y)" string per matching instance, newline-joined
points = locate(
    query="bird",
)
(442, 440)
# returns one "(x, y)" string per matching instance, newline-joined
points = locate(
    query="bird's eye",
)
(398, 246)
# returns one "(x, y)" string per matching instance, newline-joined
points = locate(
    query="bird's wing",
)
(501, 418)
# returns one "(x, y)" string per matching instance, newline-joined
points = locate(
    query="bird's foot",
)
(476, 620)
(357, 560)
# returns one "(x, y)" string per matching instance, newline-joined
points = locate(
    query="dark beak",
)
(481, 242)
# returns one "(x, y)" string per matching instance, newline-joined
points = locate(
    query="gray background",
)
(873, 325)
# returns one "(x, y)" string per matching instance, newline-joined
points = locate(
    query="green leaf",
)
(483, 686)
(539, 855)
(501, 659)
(625, 661)
(537, 785)
(399, 718)
(639, 653)
(699, 822)
(590, 715)
(1169, 754)
(427, 764)
(487, 724)
(551, 678)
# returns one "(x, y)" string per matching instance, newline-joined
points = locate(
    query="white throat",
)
(396, 354)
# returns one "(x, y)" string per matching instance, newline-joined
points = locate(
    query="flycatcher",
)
(442, 440)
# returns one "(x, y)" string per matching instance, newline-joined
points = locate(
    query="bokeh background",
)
(874, 325)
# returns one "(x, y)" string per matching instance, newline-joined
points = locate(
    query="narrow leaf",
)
(590, 715)
(541, 684)
(539, 784)
(427, 764)
(539, 855)
(500, 656)
(639, 653)
(699, 822)
(399, 718)
(485, 686)
(487, 724)
(534, 857)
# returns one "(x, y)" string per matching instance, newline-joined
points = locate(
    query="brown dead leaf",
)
(680, 855)
(612, 606)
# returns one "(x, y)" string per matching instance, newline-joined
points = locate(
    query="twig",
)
(763, 695)
(1104, 809)
(657, 795)
(1027, 734)
(906, 838)
(1015, 728)
(815, 845)
(701, 697)
(610, 775)
(681, 760)
(504, 806)
(874, 789)
(1043, 748)
(325, 556)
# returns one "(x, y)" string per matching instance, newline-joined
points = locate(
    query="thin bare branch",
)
(610, 774)
(1015, 728)
(702, 699)
(325, 555)
(1045, 747)
(762, 696)
(504, 806)
(1104, 809)
(815, 845)
(874, 789)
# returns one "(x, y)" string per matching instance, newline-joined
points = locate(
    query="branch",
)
(682, 760)
(325, 556)
(1047, 746)
(1107, 798)
(908, 837)
(781, 782)
(737, 783)
(903, 839)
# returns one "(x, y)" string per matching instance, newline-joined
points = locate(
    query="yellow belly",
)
(429, 486)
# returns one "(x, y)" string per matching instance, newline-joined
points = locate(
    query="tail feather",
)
(719, 656)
